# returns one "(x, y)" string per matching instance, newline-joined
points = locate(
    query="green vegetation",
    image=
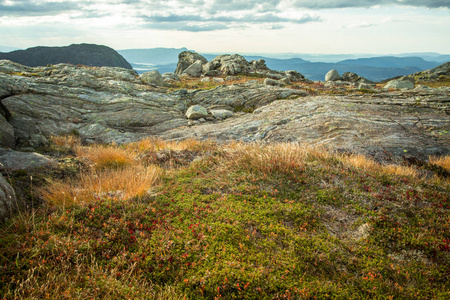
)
(232, 221)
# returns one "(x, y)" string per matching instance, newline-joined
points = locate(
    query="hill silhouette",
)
(83, 54)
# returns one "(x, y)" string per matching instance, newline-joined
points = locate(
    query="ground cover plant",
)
(200, 220)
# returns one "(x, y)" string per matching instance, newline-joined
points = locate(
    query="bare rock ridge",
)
(84, 54)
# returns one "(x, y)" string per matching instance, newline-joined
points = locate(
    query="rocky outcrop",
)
(112, 104)
(442, 71)
(8, 201)
(195, 65)
(100, 104)
(106, 104)
(187, 58)
(84, 54)
(380, 125)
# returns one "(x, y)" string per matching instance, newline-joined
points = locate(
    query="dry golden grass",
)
(157, 144)
(443, 161)
(120, 184)
(104, 157)
(363, 162)
(280, 157)
(64, 280)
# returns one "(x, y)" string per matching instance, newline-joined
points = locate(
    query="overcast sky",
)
(233, 26)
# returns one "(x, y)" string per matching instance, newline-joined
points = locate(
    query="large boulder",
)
(152, 78)
(234, 64)
(15, 160)
(332, 75)
(221, 114)
(399, 84)
(186, 59)
(8, 201)
(196, 112)
(194, 70)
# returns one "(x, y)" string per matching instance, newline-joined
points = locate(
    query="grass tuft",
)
(443, 161)
(119, 184)
(105, 157)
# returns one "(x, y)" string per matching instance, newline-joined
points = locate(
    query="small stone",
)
(153, 78)
(221, 113)
(196, 112)
(272, 82)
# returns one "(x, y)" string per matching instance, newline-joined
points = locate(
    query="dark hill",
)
(392, 62)
(83, 54)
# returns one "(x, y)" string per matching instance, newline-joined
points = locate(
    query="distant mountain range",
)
(85, 54)
(312, 66)
(373, 68)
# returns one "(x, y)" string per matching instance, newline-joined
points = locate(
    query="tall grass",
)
(282, 157)
(443, 161)
(158, 144)
(362, 162)
(120, 184)
(106, 157)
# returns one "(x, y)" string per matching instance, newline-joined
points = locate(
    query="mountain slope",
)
(83, 54)
(391, 62)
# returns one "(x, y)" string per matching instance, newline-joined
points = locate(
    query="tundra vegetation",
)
(195, 219)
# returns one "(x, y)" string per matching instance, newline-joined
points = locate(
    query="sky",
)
(232, 26)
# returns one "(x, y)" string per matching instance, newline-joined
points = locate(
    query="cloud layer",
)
(198, 15)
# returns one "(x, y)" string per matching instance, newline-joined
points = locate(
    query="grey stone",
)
(332, 75)
(15, 160)
(399, 84)
(152, 77)
(196, 112)
(194, 70)
(8, 200)
(205, 80)
(221, 113)
(272, 82)
(218, 79)
(6, 133)
(186, 59)
(285, 80)
(212, 73)
(366, 86)
(170, 76)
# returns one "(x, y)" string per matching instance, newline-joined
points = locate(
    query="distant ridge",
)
(83, 54)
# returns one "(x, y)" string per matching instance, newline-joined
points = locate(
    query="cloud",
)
(322, 4)
(359, 25)
(187, 26)
(35, 8)
(249, 18)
